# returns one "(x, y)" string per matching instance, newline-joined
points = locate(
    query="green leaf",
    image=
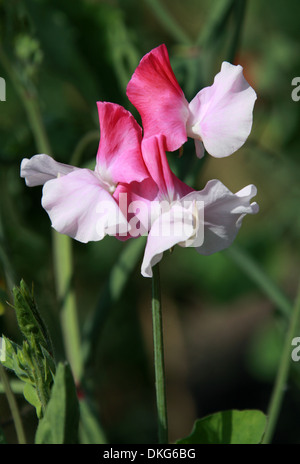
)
(35, 367)
(228, 428)
(60, 422)
(90, 431)
(17, 360)
(31, 395)
(32, 362)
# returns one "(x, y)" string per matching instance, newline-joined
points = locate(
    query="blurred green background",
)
(225, 315)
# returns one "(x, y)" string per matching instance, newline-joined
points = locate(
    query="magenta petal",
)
(221, 115)
(155, 92)
(119, 157)
(41, 168)
(223, 214)
(80, 207)
(135, 201)
(170, 187)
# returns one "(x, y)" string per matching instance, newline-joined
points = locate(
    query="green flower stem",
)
(159, 358)
(61, 244)
(13, 407)
(282, 374)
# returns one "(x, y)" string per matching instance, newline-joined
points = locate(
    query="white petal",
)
(170, 228)
(221, 115)
(223, 214)
(41, 168)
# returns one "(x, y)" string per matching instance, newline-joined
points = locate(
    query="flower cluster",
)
(132, 190)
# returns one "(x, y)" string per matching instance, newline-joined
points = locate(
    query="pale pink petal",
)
(208, 220)
(80, 207)
(41, 168)
(223, 214)
(221, 115)
(170, 228)
(119, 157)
(156, 94)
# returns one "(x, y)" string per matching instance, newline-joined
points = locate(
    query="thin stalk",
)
(9, 273)
(63, 270)
(168, 22)
(17, 387)
(13, 407)
(216, 23)
(91, 136)
(61, 244)
(160, 384)
(282, 374)
(247, 264)
(239, 17)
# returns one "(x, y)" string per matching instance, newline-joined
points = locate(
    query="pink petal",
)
(41, 168)
(156, 94)
(221, 115)
(139, 201)
(223, 214)
(119, 156)
(135, 200)
(170, 187)
(80, 207)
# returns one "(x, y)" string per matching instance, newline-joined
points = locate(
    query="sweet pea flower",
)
(83, 203)
(207, 220)
(219, 118)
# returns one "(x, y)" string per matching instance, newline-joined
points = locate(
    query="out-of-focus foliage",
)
(223, 334)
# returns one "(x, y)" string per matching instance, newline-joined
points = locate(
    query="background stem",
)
(168, 22)
(63, 272)
(159, 358)
(13, 407)
(282, 375)
(257, 274)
